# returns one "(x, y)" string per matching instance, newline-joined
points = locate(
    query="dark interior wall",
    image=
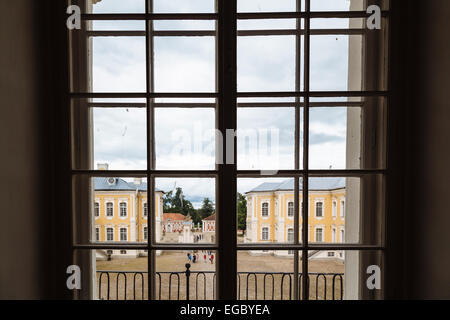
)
(429, 218)
(24, 186)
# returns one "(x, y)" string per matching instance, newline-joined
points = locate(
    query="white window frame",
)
(317, 201)
(290, 216)
(106, 209)
(121, 202)
(97, 209)
(262, 233)
(144, 210)
(97, 233)
(106, 233)
(144, 234)
(334, 208)
(322, 229)
(120, 233)
(342, 207)
(268, 209)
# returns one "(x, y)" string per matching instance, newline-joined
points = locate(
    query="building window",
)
(265, 233)
(123, 234)
(123, 251)
(109, 209)
(319, 209)
(342, 208)
(331, 254)
(342, 236)
(97, 234)
(290, 235)
(123, 209)
(145, 210)
(109, 234)
(319, 235)
(333, 235)
(334, 211)
(265, 209)
(290, 209)
(96, 209)
(145, 233)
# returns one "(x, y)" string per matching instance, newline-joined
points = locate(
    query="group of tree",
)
(174, 202)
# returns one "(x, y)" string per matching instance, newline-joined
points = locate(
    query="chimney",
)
(102, 166)
(137, 181)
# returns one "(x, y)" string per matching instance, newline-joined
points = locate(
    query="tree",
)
(242, 212)
(177, 203)
(207, 209)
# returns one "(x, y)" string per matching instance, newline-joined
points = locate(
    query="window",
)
(334, 211)
(145, 210)
(123, 209)
(265, 233)
(109, 209)
(265, 209)
(319, 209)
(330, 254)
(109, 234)
(342, 236)
(96, 209)
(97, 234)
(342, 209)
(319, 234)
(290, 235)
(145, 234)
(123, 234)
(290, 209)
(283, 70)
(333, 235)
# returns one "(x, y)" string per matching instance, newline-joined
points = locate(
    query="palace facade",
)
(270, 214)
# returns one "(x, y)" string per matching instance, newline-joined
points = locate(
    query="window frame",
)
(226, 174)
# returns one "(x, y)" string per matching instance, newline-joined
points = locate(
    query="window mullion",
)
(227, 119)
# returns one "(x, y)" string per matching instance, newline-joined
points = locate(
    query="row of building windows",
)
(319, 209)
(319, 234)
(123, 234)
(123, 209)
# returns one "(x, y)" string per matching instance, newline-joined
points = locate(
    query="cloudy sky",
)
(185, 137)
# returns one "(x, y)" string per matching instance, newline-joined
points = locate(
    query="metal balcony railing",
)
(201, 285)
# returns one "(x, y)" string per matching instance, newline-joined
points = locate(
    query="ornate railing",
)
(200, 285)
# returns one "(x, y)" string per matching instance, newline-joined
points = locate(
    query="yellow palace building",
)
(121, 210)
(270, 214)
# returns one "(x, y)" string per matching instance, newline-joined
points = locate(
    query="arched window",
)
(290, 209)
(109, 209)
(123, 209)
(334, 211)
(342, 208)
(265, 209)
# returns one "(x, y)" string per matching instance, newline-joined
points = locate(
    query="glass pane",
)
(266, 138)
(113, 274)
(337, 5)
(266, 63)
(337, 134)
(120, 138)
(185, 138)
(185, 64)
(183, 6)
(265, 275)
(266, 6)
(330, 62)
(184, 25)
(188, 210)
(340, 213)
(116, 6)
(347, 272)
(115, 25)
(266, 24)
(265, 210)
(171, 266)
(334, 23)
(118, 64)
